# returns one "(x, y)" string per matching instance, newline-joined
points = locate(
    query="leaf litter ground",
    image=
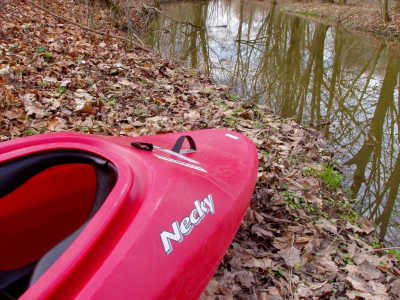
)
(299, 238)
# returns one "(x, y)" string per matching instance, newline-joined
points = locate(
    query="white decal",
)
(167, 236)
(177, 155)
(187, 223)
(232, 136)
(181, 163)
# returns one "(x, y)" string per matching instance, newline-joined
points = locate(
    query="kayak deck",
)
(166, 215)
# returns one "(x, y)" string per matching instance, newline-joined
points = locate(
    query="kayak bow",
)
(95, 217)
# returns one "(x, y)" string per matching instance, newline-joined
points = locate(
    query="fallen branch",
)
(276, 220)
(89, 29)
(381, 249)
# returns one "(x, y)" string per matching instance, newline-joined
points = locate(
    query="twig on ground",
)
(381, 249)
(276, 220)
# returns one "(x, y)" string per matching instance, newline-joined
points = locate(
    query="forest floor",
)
(365, 16)
(300, 237)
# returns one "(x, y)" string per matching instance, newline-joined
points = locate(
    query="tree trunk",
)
(44, 4)
(385, 8)
(343, 2)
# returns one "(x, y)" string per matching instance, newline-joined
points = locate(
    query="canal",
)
(337, 81)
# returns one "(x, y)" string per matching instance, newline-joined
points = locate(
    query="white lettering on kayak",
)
(187, 224)
(181, 163)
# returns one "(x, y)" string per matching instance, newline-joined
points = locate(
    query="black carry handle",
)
(142, 146)
(178, 145)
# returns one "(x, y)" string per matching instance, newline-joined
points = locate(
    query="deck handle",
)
(142, 146)
(178, 145)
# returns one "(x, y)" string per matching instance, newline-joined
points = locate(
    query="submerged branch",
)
(175, 20)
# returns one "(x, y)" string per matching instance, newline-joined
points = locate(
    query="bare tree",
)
(385, 10)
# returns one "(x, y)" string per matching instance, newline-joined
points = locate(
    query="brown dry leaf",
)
(313, 155)
(212, 288)
(291, 256)
(324, 291)
(304, 291)
(377, 287)
(352, 270)
(65, 82)
(310, 183)
(292, 185)
(193, 115)
(367, 226)
(57, 124)
(82, 99)
(274, 291)
(369, 271)
(353, 228)
(384, 265)
(313, 246)
(328, 226)
(31, 106)
(236, 263)
(296, 229)
(126, 82)
(352, 294)
(373, 260)
(246, 278)
(283, 242)
(50, 79)
(358, 284)
(395, 290)
(326, 262)
(351, 249)
(263, 263)
(261, 233)
(314, 200)
(12, 114)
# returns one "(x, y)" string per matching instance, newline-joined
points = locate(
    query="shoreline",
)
(300, 236)
(361, 18)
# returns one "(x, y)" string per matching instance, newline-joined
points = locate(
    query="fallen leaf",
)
(328, 226)
(367, 226)
(369, 271)
(291, 256)
(263, 263)
(358, 284)
(353, 228)
(246, 278)
(57, 124)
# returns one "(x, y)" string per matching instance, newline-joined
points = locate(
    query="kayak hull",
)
(165, 226)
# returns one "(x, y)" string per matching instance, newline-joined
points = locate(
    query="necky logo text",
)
(187, 224)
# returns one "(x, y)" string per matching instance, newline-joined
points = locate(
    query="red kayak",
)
(95, 217)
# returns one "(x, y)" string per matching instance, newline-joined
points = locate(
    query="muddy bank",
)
(362, 16)
(300, 238)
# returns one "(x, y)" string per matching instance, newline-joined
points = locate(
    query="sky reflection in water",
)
(316, 73)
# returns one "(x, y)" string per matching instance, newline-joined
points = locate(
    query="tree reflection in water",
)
(316, 73)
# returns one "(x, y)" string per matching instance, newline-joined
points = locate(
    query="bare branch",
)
(89, 29)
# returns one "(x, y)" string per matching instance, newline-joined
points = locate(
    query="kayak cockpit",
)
(46, 200)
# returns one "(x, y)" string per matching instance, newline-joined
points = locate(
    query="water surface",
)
(322, 75)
